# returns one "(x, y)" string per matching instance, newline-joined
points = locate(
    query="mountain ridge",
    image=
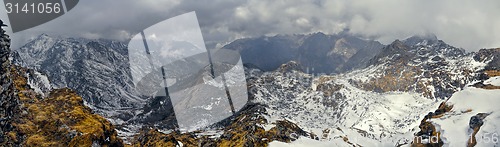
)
(382, 103)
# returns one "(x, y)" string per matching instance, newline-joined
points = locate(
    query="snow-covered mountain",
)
(97, 69)
(384, 103)
(377, 96)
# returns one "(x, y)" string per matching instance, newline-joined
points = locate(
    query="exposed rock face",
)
(98, 70)
(421, 64)
(475, 124)
(485, 86)
(428, 131)
(8, 99)
(290, 66)
(242, 130)
(489, 54)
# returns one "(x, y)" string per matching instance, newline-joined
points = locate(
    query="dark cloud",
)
(463, 23)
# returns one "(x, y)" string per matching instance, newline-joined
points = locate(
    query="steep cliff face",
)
(8, 99)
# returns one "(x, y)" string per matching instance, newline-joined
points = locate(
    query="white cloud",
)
(462, 23)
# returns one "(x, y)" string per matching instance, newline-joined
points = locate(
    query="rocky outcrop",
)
(428, 134)
(492, 55)
(32, 118)
(58, 119)
(290, 66)
(242, 130)
(485, 86)
(424, 65)
(475, 124)
(396, 52)
(8, 99)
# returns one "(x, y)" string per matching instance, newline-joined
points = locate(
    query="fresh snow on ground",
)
(455, 125)
(364, 117)
(306, 142)
(495, 81)
(39, 82)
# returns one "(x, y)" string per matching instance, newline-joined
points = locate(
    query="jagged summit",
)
(43, 35)
(397, 44)
(396, 51)
(428, 38)
(416, 50)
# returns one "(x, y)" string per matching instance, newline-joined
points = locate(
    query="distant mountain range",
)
(374, 94)
(316, 53)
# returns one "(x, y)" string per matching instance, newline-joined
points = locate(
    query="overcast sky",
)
(463, 23)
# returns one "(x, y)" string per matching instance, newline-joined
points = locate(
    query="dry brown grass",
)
(490, 87)
(396, 78)
(492, 73)
(472, 140)
(49, 121)
(244, 131)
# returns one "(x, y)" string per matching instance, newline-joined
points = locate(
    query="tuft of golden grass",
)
(396, 78)
(60, 119)
(467, 111)
(40, 140)
(244, 131)
(492, 73)
(490, 87)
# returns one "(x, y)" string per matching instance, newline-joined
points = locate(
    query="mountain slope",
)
(431, 67)
(33, 114)
(97, 69)
(384, 100)
(382, 104)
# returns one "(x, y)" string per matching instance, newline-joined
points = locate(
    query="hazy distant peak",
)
(428, 38)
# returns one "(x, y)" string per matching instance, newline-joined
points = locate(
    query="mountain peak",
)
(318, 35)
(428, 38)
(397, 44)
(397, 48)
(42, 36)
(290, 66)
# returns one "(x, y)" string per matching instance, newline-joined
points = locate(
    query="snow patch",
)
(495, 81)
(454, 126)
